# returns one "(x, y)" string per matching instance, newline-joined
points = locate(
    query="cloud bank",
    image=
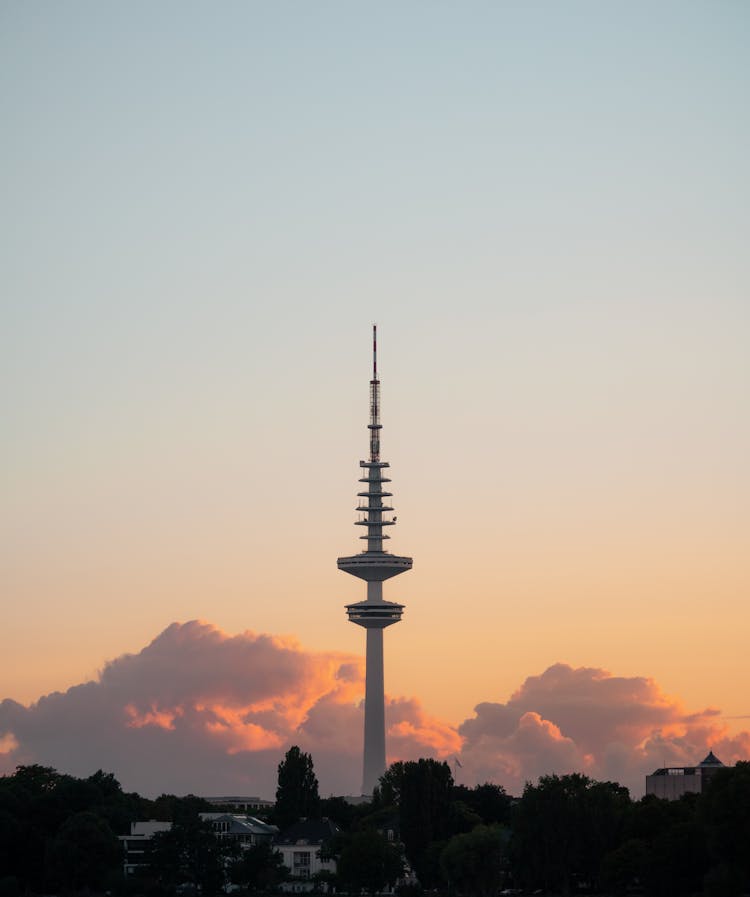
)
(201, 711)
(587, 720)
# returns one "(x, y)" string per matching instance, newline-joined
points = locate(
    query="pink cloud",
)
(587, 720)
(411, 733)
(195, 710)
(204, 711)
(201, 710)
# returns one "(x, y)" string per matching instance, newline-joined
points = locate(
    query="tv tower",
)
(374, 566)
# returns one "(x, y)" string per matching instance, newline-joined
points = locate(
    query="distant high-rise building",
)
(672, 782)
(374, 565)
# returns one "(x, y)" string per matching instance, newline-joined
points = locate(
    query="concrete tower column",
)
(374, 759)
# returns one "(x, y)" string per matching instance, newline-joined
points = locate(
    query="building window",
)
(301, 863)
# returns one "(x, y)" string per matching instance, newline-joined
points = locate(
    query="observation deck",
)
(375, 614)
(374, 566)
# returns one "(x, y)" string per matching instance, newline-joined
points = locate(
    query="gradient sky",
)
(545, 207)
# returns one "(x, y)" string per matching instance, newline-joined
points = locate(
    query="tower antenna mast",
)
(375, 426)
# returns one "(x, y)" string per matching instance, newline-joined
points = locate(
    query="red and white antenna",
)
(374, 400)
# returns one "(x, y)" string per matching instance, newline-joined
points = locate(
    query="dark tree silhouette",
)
(84, 853)
(388, 790)
(297, 791)
(189, 853)
(260, 868)
(368, 862)
(489, 801)
(472, 862)
(725, 811)
(424, 814)
(563, 827)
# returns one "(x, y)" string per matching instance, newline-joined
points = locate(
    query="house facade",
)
(300, 847)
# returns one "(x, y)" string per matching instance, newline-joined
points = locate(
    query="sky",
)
(546, 208)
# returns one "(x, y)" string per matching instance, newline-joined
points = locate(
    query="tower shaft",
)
(374, 746)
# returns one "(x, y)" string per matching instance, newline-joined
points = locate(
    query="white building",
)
(671, 782)
(240, 802)
(300, 846)
(245, 830)
(136, 844)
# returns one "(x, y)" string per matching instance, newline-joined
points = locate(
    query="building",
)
(300, 846)
(671, 782)
(245, 830)
(237, 802)
(374, 565)
(137, 844)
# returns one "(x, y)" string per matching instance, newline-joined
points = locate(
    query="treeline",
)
(570, 834)
(58, 833)
(563, 835)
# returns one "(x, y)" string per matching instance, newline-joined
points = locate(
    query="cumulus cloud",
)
(203, 711)
(412, 733)
(587, 720)
(200, 710)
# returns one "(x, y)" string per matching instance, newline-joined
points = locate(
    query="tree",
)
(297, 791)
(677, 862)
(424, 813)
(489, 801)
(625, 866)
(725, 810)
(369, 862)
(563, 827)
(259, 867)
(190, 853)
(388, 790)
(461, 818)
(84, 853)
(672, 859)
(472, 862)
(340, 811)
(37, 804)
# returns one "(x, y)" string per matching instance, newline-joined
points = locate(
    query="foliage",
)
(424, 805)
(297, 791)
(340, 811)
(563, 827)
(624, 867)
(170, 808)
(472, 862)
(489, 801)
(678, 861)
(259, 867)
(368, 862)
(431, 809)
(725, 811)
(190, 854)
(57, 834)
(388, 790)
(461, 818)
(84, 853)
(662, 848)
(47, 817)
